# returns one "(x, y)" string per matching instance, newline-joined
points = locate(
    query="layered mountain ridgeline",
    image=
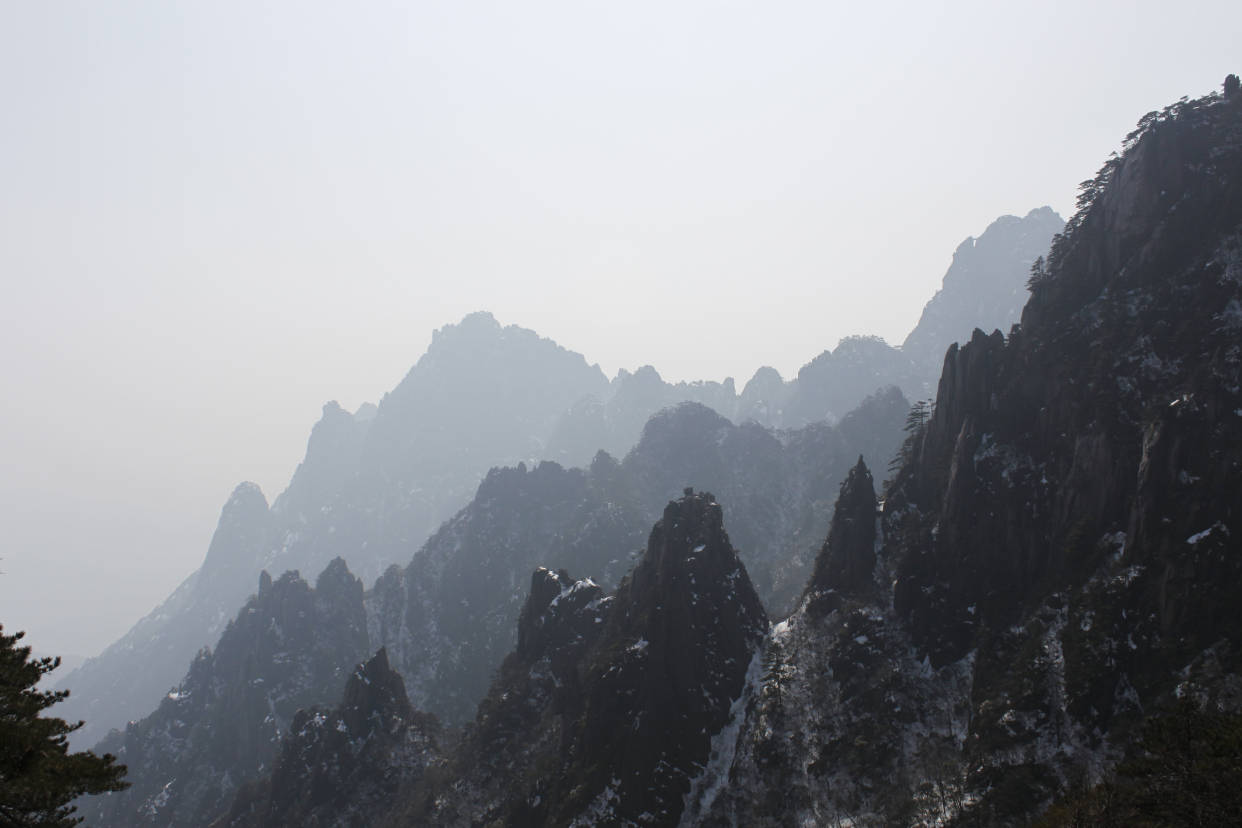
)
(128, 679)
(448, 618)
(372, 488)
(613, 421)
(376, 483)
(1054, 560)
(984, 287)
(604, 713)
(1058, 557)
(848, 722)
(290, 647)
(342, 765)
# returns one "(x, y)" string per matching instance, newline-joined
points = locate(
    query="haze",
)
(215, 217)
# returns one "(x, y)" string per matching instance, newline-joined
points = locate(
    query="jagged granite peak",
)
(340, 766)
(129, 678)
(1061, 536)
(243, 530)
(288, 648)
(614, 421)
(506, 768)
(673, 657)
(845, 568)
(984, 287)
(605, 712)
(373, 487)
(332, 457)
(1069, 512)
(551, 595)
(372, 692)
(376, 485)
(1131, 299)
(777, 487)
(449, 617)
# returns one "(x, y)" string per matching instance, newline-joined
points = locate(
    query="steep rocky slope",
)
(448, 618)
(129, 678)
(604, 713)
(372, 488)
(375, 484)
(339, 766)
(222, 725)
(1058, 557)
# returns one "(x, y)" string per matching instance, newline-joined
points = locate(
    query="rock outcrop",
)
(289, 647)
(339, 766)
(606, 711)
(845, 568)
(1060, 541)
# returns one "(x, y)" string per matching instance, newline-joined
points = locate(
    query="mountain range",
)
(375, 484)
(1050, 566)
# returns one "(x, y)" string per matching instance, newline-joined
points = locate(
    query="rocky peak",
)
(673, 657)
(553, 614)
(332, 457)
(288, 648)
(241, 533)
(343, 766)
(373, 692)
(845, 567)
(689, 540)
(337, 580)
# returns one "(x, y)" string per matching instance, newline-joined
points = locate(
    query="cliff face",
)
(845, 567)
(674, 655)
(1065, 434)
(605, 712)
(1057, 557)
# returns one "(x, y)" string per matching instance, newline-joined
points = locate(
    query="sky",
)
(214, 217)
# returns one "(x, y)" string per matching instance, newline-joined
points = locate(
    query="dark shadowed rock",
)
(289, 647)
(340, 766)
(845, 567)
(605, 712)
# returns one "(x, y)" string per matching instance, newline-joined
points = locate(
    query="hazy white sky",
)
(216, 216)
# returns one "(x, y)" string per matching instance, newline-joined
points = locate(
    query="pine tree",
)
(916, 423)
(39, 777)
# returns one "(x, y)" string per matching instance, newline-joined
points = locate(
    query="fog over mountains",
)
(376, 483)
(997, 586)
